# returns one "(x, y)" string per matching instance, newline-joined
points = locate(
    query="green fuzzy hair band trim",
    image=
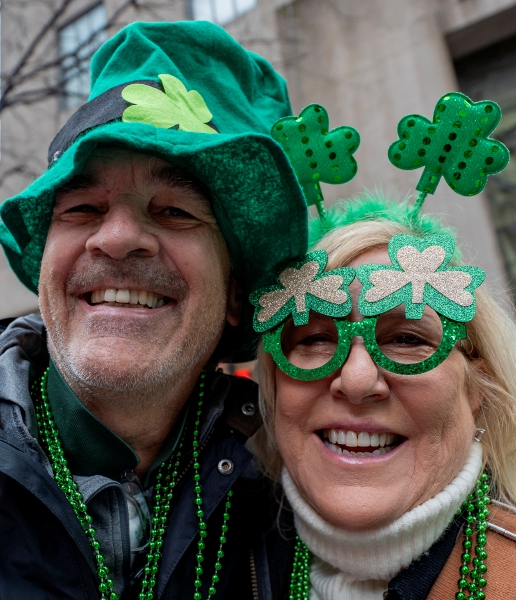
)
(371, 206)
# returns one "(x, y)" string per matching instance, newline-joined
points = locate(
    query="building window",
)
(78, 40)
(220, 11)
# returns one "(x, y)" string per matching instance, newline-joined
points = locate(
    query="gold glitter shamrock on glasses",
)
(405, 342)
(419, 276)
(304, 286)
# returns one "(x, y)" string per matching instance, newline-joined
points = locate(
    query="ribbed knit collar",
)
(358, 565)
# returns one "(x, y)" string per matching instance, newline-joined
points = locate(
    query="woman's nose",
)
(123, 231)
(359, 380)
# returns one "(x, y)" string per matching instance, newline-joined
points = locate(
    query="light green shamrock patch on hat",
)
(419, 276)
(174, 106)
(304, 286)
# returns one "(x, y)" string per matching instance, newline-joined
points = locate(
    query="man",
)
(123, 471)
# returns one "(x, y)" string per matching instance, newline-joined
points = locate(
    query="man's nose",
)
(123, 232)
(359, 380)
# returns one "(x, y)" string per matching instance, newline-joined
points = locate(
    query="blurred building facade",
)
(369, 62)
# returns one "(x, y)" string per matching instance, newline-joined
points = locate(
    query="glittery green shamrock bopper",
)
(316, 153)
(454, 145)
(175, 106)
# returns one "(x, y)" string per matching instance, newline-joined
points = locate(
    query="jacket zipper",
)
(254, 578)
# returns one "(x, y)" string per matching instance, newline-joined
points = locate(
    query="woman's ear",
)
(478, 370)
(234, 307)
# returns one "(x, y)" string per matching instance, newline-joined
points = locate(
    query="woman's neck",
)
(378, 555)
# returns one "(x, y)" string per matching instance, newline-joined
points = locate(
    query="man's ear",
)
(235, 294)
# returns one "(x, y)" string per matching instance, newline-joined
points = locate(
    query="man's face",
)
(134, 277)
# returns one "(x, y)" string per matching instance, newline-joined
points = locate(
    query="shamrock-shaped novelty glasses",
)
(407, 340)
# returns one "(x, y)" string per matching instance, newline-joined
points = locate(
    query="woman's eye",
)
(408, 340)
(316, 338)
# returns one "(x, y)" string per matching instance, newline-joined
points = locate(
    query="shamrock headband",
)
(419, 276)
(455, 145)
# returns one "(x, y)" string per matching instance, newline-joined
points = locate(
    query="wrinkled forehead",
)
(109, 166)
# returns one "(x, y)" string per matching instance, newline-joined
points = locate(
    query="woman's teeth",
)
(376, 443)
(127, 298)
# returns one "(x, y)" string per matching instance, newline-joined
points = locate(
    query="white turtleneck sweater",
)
(354, 565)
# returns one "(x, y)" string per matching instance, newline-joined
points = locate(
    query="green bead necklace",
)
(472, 580)
(166, 480)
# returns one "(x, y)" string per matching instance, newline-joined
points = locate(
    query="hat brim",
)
(255, 195)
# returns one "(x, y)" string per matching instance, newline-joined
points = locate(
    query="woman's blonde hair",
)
(492, 338)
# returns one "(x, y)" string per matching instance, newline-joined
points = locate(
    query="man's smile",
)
(126, 298)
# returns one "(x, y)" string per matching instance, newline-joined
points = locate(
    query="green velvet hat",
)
(189, 93)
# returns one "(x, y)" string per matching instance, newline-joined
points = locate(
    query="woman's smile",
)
(364, 444)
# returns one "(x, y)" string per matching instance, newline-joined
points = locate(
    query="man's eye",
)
(83, 208)
(172, 211)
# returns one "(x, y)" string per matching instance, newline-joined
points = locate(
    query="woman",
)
(376, 461)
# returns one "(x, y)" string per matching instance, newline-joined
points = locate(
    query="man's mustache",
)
(145, 273)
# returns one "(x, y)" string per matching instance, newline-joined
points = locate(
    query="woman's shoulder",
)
(500, 561)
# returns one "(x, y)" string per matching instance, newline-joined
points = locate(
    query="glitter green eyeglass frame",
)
(452, 332)
(419, 275)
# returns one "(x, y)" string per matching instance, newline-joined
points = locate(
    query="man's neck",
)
(142, 419)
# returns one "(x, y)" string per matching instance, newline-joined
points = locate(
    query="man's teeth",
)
(127, 298)
(335, 438)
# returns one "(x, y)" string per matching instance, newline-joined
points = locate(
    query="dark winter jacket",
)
(44, 554)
